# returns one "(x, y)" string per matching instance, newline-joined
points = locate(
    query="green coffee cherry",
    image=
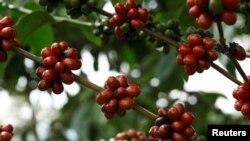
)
(215, 6)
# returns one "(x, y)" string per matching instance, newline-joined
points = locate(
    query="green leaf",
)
(29, 23)
(40, 38)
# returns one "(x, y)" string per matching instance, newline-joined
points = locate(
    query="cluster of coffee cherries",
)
(207, 11)
(127, 16)
(173, 124)
(103, 30)
(197, 54)
(6, 132)
(170, 29)
(59, 61)
(75, 8)
(117, 96)
(242, 96)
(7, 37)
(131, 135)
(49, 5)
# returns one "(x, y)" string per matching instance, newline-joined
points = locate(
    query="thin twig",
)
(100, 11)
(235, 62)
(226, 74)
(84, 82)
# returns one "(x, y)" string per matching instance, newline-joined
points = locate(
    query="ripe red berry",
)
(46, 52)
(112, 83)
(63, 45)
(104, 96)
(187, 118)
(132, 13)
(199, 51)
(194, 40)
(6, 135)
(60, 67)
(231, 4)
(238, 105)
(184, 49)
(194, 11)
(179, 59)
(137, 24)
(142, 14)
(56, 49)
(229, 17)
(178, 126)
(71, 53)
(240, 53)
(57, 87)
(130, 4)
(122, 80)
(44, 85)
(133, 90)
(190, 60)
(50, 61)
(189, 70)
(8, 33)
(173, 114)
(189, 131)
(49, 74)
(201, 3)
(7, 128)
(212, 55)
(7, 44)
(190, 3)
(72, 64)
(6, 21)
(176, 136)
(109, 115)
(39, 71)
(119, 33)
(120, 9)
(162, 112)
(117, 20)
(126, 103)
(111, 106)
(180, 107)
(67, 77)
(209, 43)
(120, 92)
(204, 21)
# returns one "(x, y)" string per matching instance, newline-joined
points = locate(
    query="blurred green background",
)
(74, 115)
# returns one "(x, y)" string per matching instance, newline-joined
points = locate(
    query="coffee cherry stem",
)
(56, 18)
(234, 61)
(84, 82)
(225, 73)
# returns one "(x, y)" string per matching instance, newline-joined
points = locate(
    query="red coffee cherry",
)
(173, 114)
(184, 49)
(104, 96)
(57, 87)
(71, 53)
(178, 137)
(6, 21)
(112, 83)
(133, 90)
(190, 3)
(8, 33)
(187, 118)
(190, 59)
(126, 103)
(72, 64)
(178, 126)
(142, 14)
(204, 21)
(199, 51)
(212, 55)
(137, 24)
(209, 43)
(120, 9)
(50, 61)
(189, 131)
(43, 85)
(179, 59)
(117, 20)
(122, 80)
(46, 52)
(132, 13)
(6, 135)
(180, 107)
(240, 53)
(238, 104)
(7, 128)
(67, 77)
(7, 44)
(231, 4)
(63, 45)
(120, 93)
(201, 3)
(194, 39)
(49, 75)
(195, 11)
(109, 115)
(130, 4)
(39, 71)
(60, 67)
(229, 17)
(119, 33)
(110, 106)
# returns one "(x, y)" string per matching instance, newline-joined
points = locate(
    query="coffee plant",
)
(53, 56)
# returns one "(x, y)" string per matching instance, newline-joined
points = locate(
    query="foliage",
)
(37, 29)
